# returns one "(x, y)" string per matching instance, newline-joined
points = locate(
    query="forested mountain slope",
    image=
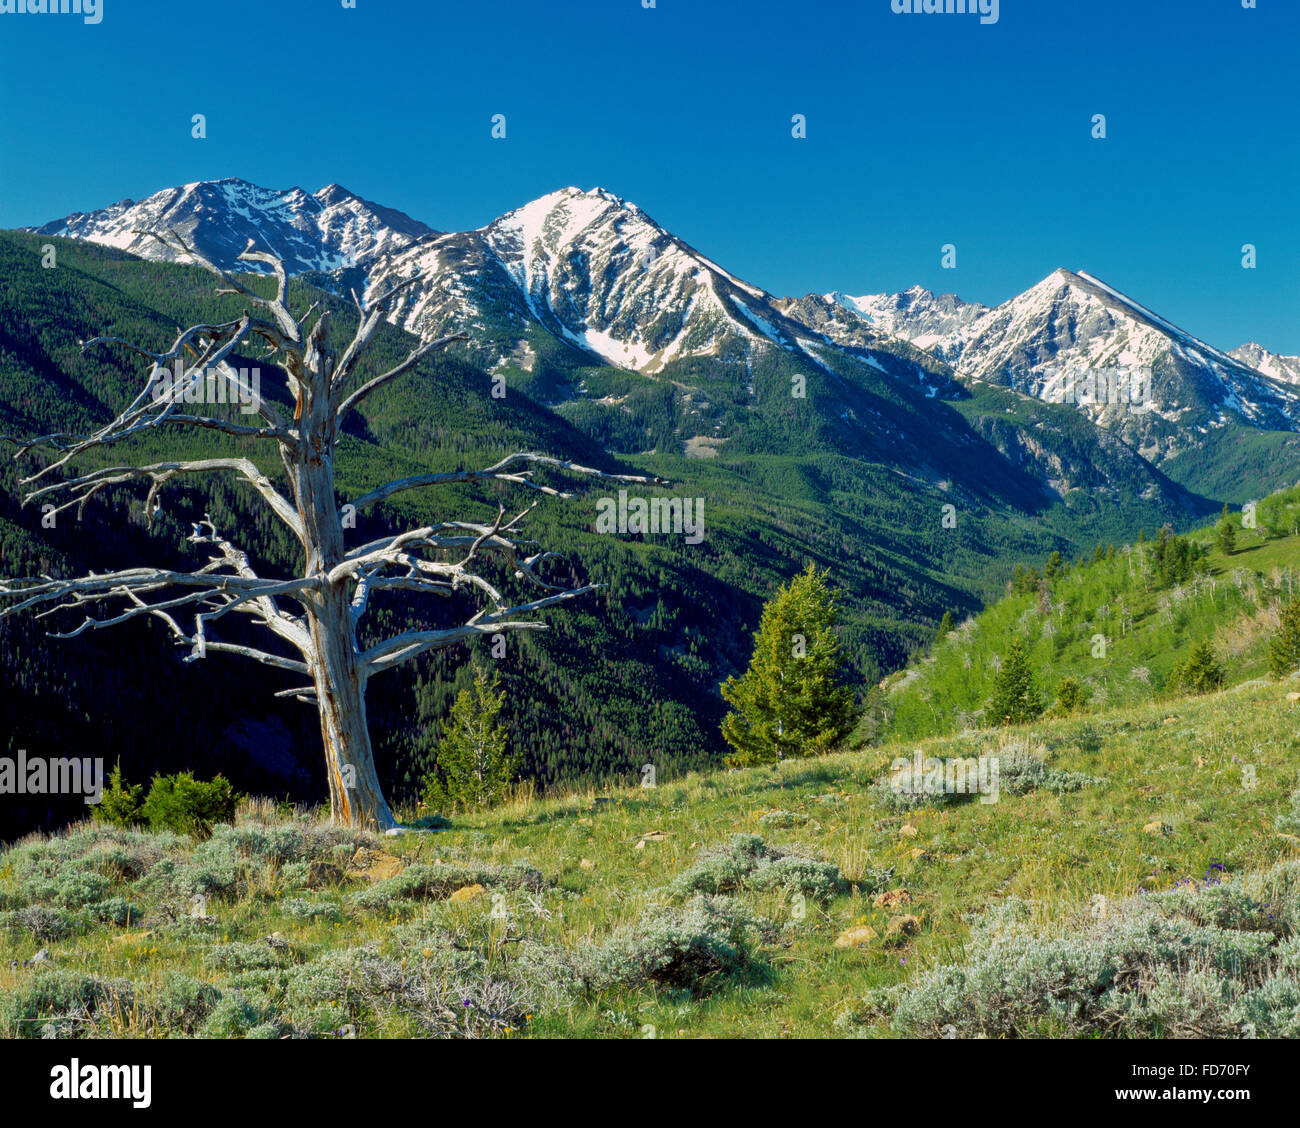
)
(855, 475)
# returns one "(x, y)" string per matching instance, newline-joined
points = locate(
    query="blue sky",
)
(922, 130)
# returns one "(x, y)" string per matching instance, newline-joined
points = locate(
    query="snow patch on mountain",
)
(326, 231)
(1285, 369)
(916, 315)
(1073, 338)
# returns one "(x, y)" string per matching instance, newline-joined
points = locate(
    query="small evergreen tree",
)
(790, 701)
(1227, 534)
(1015, 700)
(1053, 566)
(1200, 673)
(1175, 559)
(120, 803)
(473, 766)
(945, 626)
(188, 805)
(1284, 649)
(1070, 698)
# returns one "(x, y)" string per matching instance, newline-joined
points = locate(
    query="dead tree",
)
(316, 614)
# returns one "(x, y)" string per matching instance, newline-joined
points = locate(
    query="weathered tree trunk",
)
(356, 798)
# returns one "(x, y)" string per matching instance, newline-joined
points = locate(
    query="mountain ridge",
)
(579, 278)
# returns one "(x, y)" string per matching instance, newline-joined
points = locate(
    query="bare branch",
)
(288, 627)
(159, 473)
(134, 582)
(497, 472)
(397, 549)
(146, 413)
(368, 319)
(200, 644)
(307, 694)
(416, 355)
(289, 327)
(402, 648)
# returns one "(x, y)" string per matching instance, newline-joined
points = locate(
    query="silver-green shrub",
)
(747, 862)
(1214, 960)
(691, 947)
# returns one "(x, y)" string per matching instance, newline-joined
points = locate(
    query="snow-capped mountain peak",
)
(595, 271)
(1283, 368)
(917, 315)
(330, 229)
(1073, 338)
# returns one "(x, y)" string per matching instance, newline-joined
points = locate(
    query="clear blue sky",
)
(922, 130)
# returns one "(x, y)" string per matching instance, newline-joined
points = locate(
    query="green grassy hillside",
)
(1138, 875)
(1116, 623)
